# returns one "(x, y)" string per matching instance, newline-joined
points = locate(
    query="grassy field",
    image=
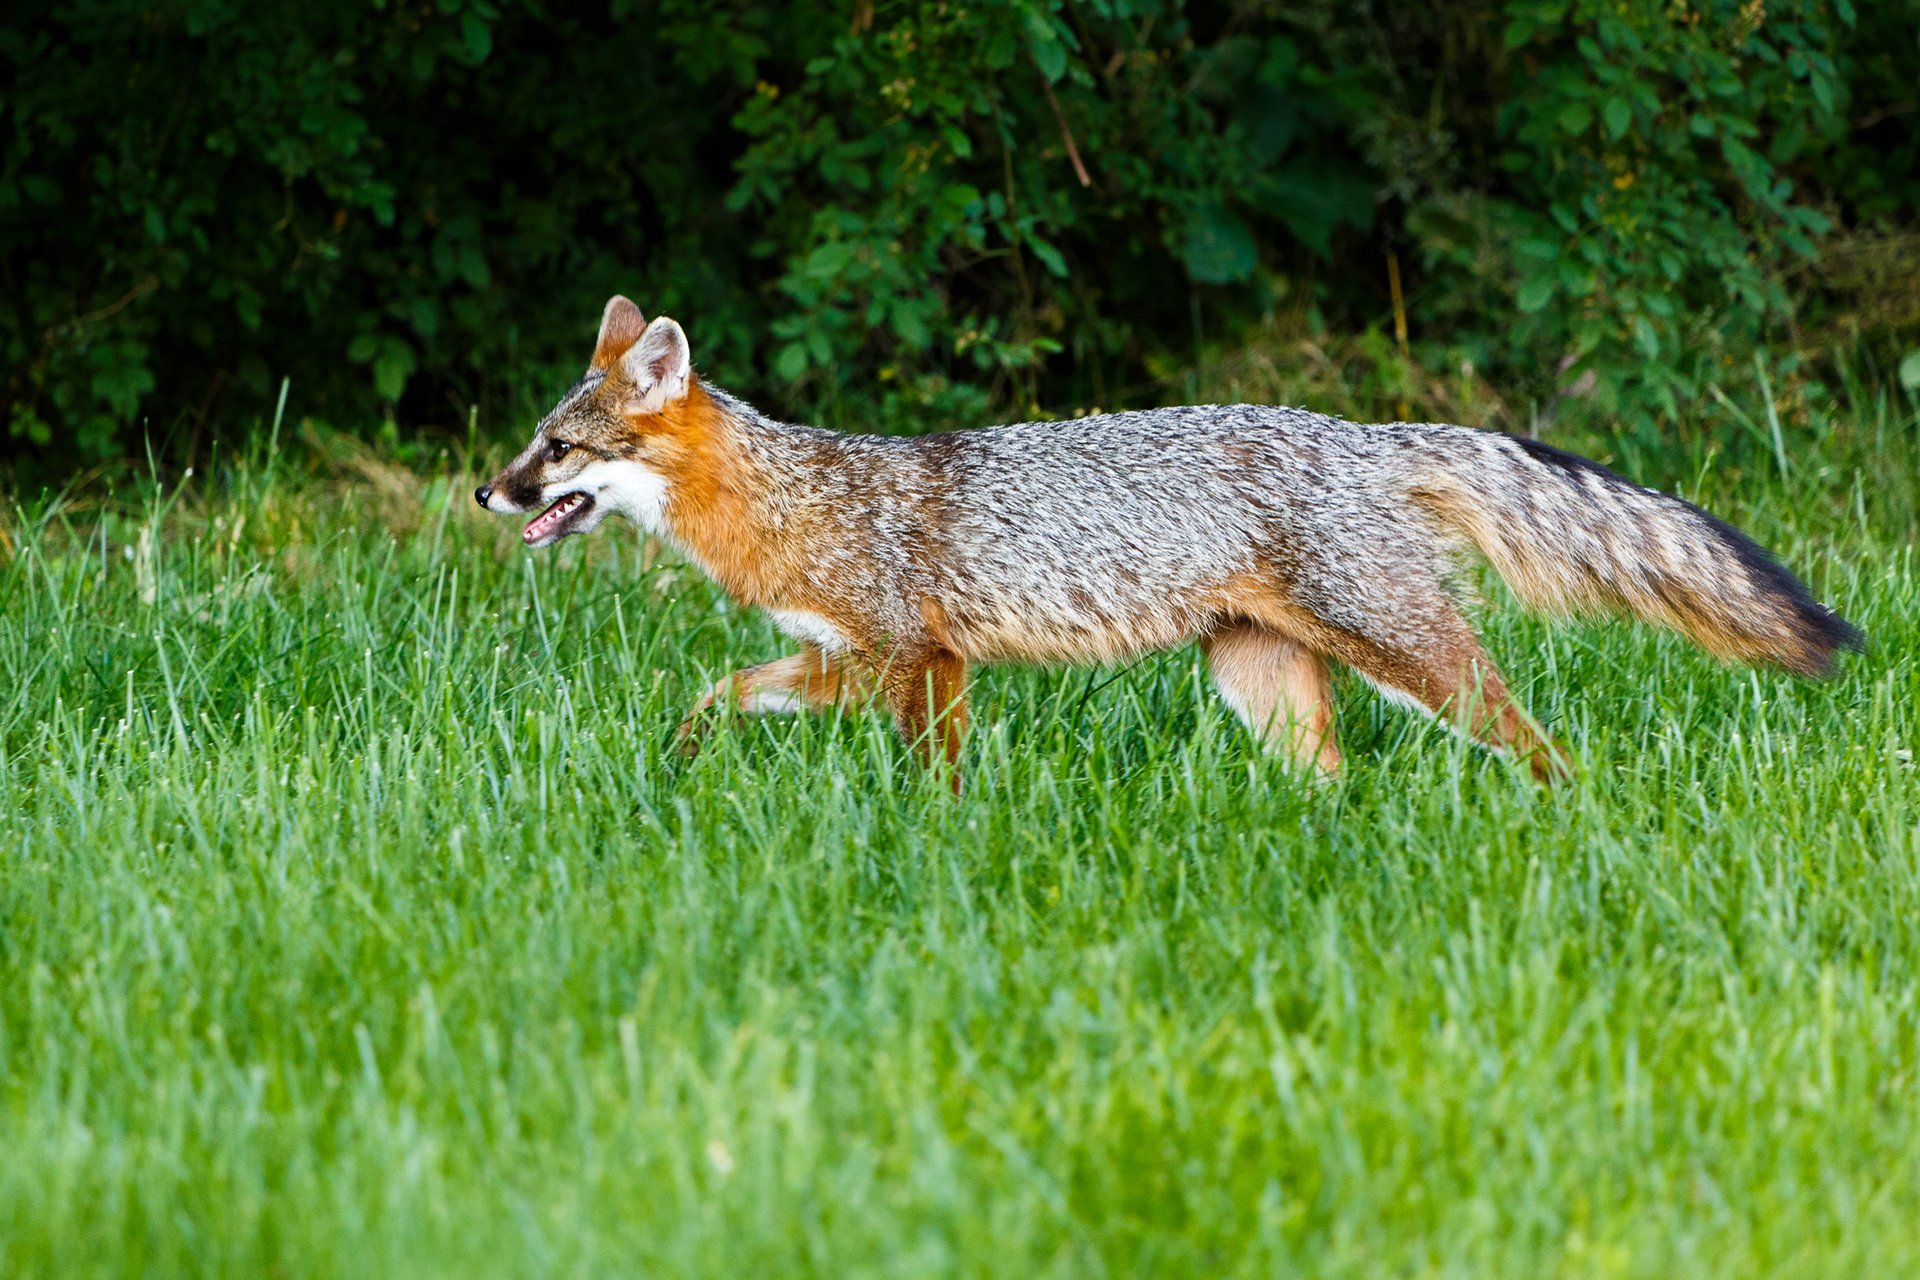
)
(355, 920)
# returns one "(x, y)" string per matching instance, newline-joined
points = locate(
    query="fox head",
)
(593, 454)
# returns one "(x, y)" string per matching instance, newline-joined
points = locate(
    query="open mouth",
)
(553, 522)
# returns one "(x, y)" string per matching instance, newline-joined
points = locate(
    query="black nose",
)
(481, 494)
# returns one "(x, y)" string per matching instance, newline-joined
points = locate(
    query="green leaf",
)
(391, 370)
(1219, 246)
(791, 362)
(477, 36)
(424, 316)
(909, 323)
(960, 196)
(1050, 56)
(829, 260)
(1048, 255)
(1645, 338)
(1535, 292)
(1618, 115)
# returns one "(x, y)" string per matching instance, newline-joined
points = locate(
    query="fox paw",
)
(692, 732)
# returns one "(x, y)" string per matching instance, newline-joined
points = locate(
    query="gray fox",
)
(1282, 541)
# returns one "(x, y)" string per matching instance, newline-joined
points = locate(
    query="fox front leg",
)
(810, 680)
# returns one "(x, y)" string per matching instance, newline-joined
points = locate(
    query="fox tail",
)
(1571, 537)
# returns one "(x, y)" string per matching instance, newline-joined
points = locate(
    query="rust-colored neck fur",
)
(716, 500)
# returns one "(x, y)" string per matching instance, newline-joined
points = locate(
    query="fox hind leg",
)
(1280, 690)
(810, 680)
(1449, 675)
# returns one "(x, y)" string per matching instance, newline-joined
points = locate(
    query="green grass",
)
(356, 921)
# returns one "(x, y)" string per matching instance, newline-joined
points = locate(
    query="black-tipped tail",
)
(1570, 536)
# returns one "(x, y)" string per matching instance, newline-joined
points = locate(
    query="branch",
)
(1066, 134)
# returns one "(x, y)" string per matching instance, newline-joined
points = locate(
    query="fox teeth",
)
(553, 515)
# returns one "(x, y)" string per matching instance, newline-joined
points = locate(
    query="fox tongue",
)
(547, 520)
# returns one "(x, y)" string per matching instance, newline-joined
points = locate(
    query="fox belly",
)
(1029, 632)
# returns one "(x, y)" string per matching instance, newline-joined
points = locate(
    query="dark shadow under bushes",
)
(929, 214)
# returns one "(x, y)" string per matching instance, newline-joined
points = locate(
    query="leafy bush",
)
(983, 186)
(935, 212)
(1645, 203)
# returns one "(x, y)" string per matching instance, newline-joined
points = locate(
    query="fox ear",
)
(621, 325)
(656, 368)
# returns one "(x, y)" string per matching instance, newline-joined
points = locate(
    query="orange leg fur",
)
(928, 696)
(1457, 681)
(1431, 658)
(806, 681)
(1279, 689)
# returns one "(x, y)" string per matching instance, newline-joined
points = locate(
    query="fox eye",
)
(557, 449)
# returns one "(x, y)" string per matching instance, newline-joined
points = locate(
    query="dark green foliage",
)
(920, 214)
(1650, 215)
